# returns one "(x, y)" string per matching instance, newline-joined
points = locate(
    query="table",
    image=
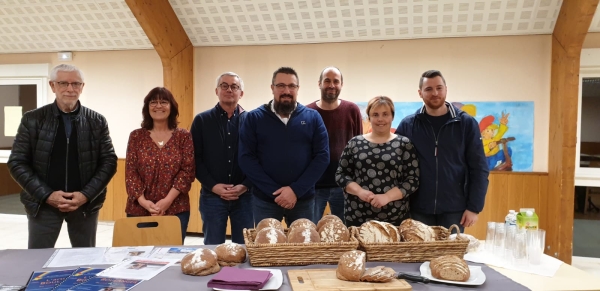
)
(17, 265)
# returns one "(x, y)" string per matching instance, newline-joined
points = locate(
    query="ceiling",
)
(89, 25)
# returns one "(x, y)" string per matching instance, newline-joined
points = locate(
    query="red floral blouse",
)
(152, 171)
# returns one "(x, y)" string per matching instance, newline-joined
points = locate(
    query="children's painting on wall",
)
(506, 129)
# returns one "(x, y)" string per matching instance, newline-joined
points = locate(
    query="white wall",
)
(511, 68)
(9, 96)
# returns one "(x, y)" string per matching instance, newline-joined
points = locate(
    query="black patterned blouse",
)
(378, 167)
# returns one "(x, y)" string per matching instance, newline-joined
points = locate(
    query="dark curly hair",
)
(159, 93)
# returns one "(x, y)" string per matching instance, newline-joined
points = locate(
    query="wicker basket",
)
(415, 251)
(296, 254)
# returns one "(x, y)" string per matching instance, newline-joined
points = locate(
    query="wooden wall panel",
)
(8, 185)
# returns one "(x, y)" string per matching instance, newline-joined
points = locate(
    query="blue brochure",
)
(47, 280)
(106, 284)
(81, 275)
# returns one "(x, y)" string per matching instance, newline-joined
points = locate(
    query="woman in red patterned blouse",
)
(160, 164)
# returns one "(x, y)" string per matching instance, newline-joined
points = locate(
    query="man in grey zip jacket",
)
(63, 158)
(454, 172)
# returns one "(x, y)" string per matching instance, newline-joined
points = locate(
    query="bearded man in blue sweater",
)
(283, 150)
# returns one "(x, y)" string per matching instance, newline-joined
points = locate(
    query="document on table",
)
(76, 257)
(175, 253)
(137, 268)
(117, 254)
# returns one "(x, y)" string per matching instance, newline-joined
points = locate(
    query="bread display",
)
(412, 230)
(270, 235)
(351, 266)
(450, 268)
(379, 274)
(303, 222)
(269, 222)
(200, 262)
(378, 232)
(473, 241)
(334, 231)
(326, 219)
(230, 254)
(304, 235)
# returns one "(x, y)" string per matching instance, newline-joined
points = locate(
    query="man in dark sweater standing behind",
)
(224, 190)
(284, 151)
(343, 122)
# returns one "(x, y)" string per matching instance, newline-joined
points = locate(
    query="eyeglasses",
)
(64, 85)
(225, 86)
(292, 87)
(163, 103)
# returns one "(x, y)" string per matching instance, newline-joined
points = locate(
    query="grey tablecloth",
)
(16, 267)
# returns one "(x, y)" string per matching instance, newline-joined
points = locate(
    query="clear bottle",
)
(511, 218)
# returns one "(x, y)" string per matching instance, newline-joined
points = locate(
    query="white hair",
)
(232, 74)
(64, 68)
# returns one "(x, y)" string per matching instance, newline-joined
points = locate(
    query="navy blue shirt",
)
(215, 138)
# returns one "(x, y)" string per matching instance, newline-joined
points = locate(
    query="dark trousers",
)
(443, 219)
(45, 227)
(215, 211)
(335, 197)
(184, 219)
(304, 208)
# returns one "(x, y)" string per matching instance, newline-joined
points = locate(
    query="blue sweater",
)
(454, 173)
(274, 155)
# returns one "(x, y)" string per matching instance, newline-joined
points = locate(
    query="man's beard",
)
(329, 97)
(284, 108)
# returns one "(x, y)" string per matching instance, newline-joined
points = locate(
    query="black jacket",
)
(29, 161)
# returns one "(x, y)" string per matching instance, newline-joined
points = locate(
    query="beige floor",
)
(13, 235)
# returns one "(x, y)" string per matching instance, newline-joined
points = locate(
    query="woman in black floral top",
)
(378, 170)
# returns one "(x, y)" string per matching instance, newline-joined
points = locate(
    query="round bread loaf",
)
(303, 235)
(412, 230)
(450, 268)
(378, 232)
(303, 222)
(326, 219)
(269, 222)
(270, 235)
(351, 266)
(200, 262)
(379, 274)
(334, 231)
(230, 254)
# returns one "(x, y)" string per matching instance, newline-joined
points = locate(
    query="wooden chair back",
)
(147, 231)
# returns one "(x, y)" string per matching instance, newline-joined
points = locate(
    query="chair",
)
(590, 192)
(147, 231)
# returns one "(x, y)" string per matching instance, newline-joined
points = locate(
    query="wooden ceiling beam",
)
(165, 32)
(569, 33)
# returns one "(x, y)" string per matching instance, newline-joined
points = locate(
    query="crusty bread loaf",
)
(334, 231)
(379, 274)
(230, 254)
(351, 266)
(450, 268)
(473, 241)
(303, 235)
(378, 232)
(412, 230)
(270, 235)
(269, 222)
(326, 219)
(303, 222)
(200, 262)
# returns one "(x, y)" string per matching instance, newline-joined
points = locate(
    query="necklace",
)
(160, 143)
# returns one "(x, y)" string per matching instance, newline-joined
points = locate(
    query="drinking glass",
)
(519, 253)
(536, 240)
(509, 245)
(499, 239)
(489, 237)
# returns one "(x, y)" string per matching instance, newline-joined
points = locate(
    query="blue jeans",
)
(335, 197)
(269, 209)
(443, 219)
(184, 219)
(214, 212)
